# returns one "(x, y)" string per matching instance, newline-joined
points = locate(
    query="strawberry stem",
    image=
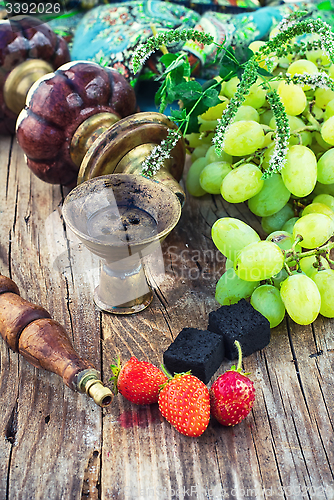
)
(238, 346)
(116, 368)
(169, 376)
(165, 371)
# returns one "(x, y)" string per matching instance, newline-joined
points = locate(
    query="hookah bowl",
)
(122, 218)
(79, 124)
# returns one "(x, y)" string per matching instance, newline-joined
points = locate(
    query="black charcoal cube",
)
(240, 322)
(200, 351)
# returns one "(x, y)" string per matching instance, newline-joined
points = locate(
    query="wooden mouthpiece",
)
(29, 330)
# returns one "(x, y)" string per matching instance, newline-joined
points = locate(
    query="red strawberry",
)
(185, 402)
(138, 381)
(232, 395)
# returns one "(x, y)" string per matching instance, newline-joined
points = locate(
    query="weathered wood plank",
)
(275, 452)
(9, 363)
(56, 433)
(55, 444)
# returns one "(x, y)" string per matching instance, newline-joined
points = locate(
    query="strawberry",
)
(232, 395)
(185, 403)
(138, 381)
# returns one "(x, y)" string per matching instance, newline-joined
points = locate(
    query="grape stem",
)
(287, 268)
(291, 254)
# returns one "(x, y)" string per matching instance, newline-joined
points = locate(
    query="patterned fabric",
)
(108, 34)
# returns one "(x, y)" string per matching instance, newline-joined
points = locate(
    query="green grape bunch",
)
(262, 132)
(287, 272)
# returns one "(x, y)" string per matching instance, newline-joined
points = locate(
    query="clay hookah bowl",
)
(29, 49)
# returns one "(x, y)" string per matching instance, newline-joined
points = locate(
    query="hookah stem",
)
(29, 330)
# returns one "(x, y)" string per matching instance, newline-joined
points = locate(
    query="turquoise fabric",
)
(109, 33)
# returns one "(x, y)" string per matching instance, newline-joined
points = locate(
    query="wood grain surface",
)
(58, 445)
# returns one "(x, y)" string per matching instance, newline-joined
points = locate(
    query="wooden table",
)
(58, 445)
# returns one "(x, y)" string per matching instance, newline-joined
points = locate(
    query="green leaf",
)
(188, 90)
(228, 70)
(193, 125)
(176, 63)
(211, 98)
(178, 115)
(242, 54)
(212, 83)
(167, 59)
(160, 94)
(148, 75)
(264, 72)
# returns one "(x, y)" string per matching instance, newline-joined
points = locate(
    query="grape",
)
(321, 188)
(275, 222)
(323, 97)
(278, 279)
(327, 199)
(331, 71)
(301, 298)
(318, 57)
(230, 87)
(212, 176)
(199, 152)
(295, 123)
(329, 111)
(212, 156)
(256, 96)
(243, 138)
(302, 66)
(273, 196)
(259, 261)
(192, 183)
(325, 167)
(266, 117)
(299, 173)
(292, 97)
(309, 265)
(230, 288)
(318, 208)
(315, 230)
(317, 112)
(289, 224)
(216, 111)
(255, 46)
(194, 140)
(325, 283)
(268, 140)
(284, 240)
(229, 264)
(247, 113)
(267, 300)
(207, 138)
(323, 144)
(267, 155)
(327, 130)
(231, 235)
(242, 183)
(207, 125)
